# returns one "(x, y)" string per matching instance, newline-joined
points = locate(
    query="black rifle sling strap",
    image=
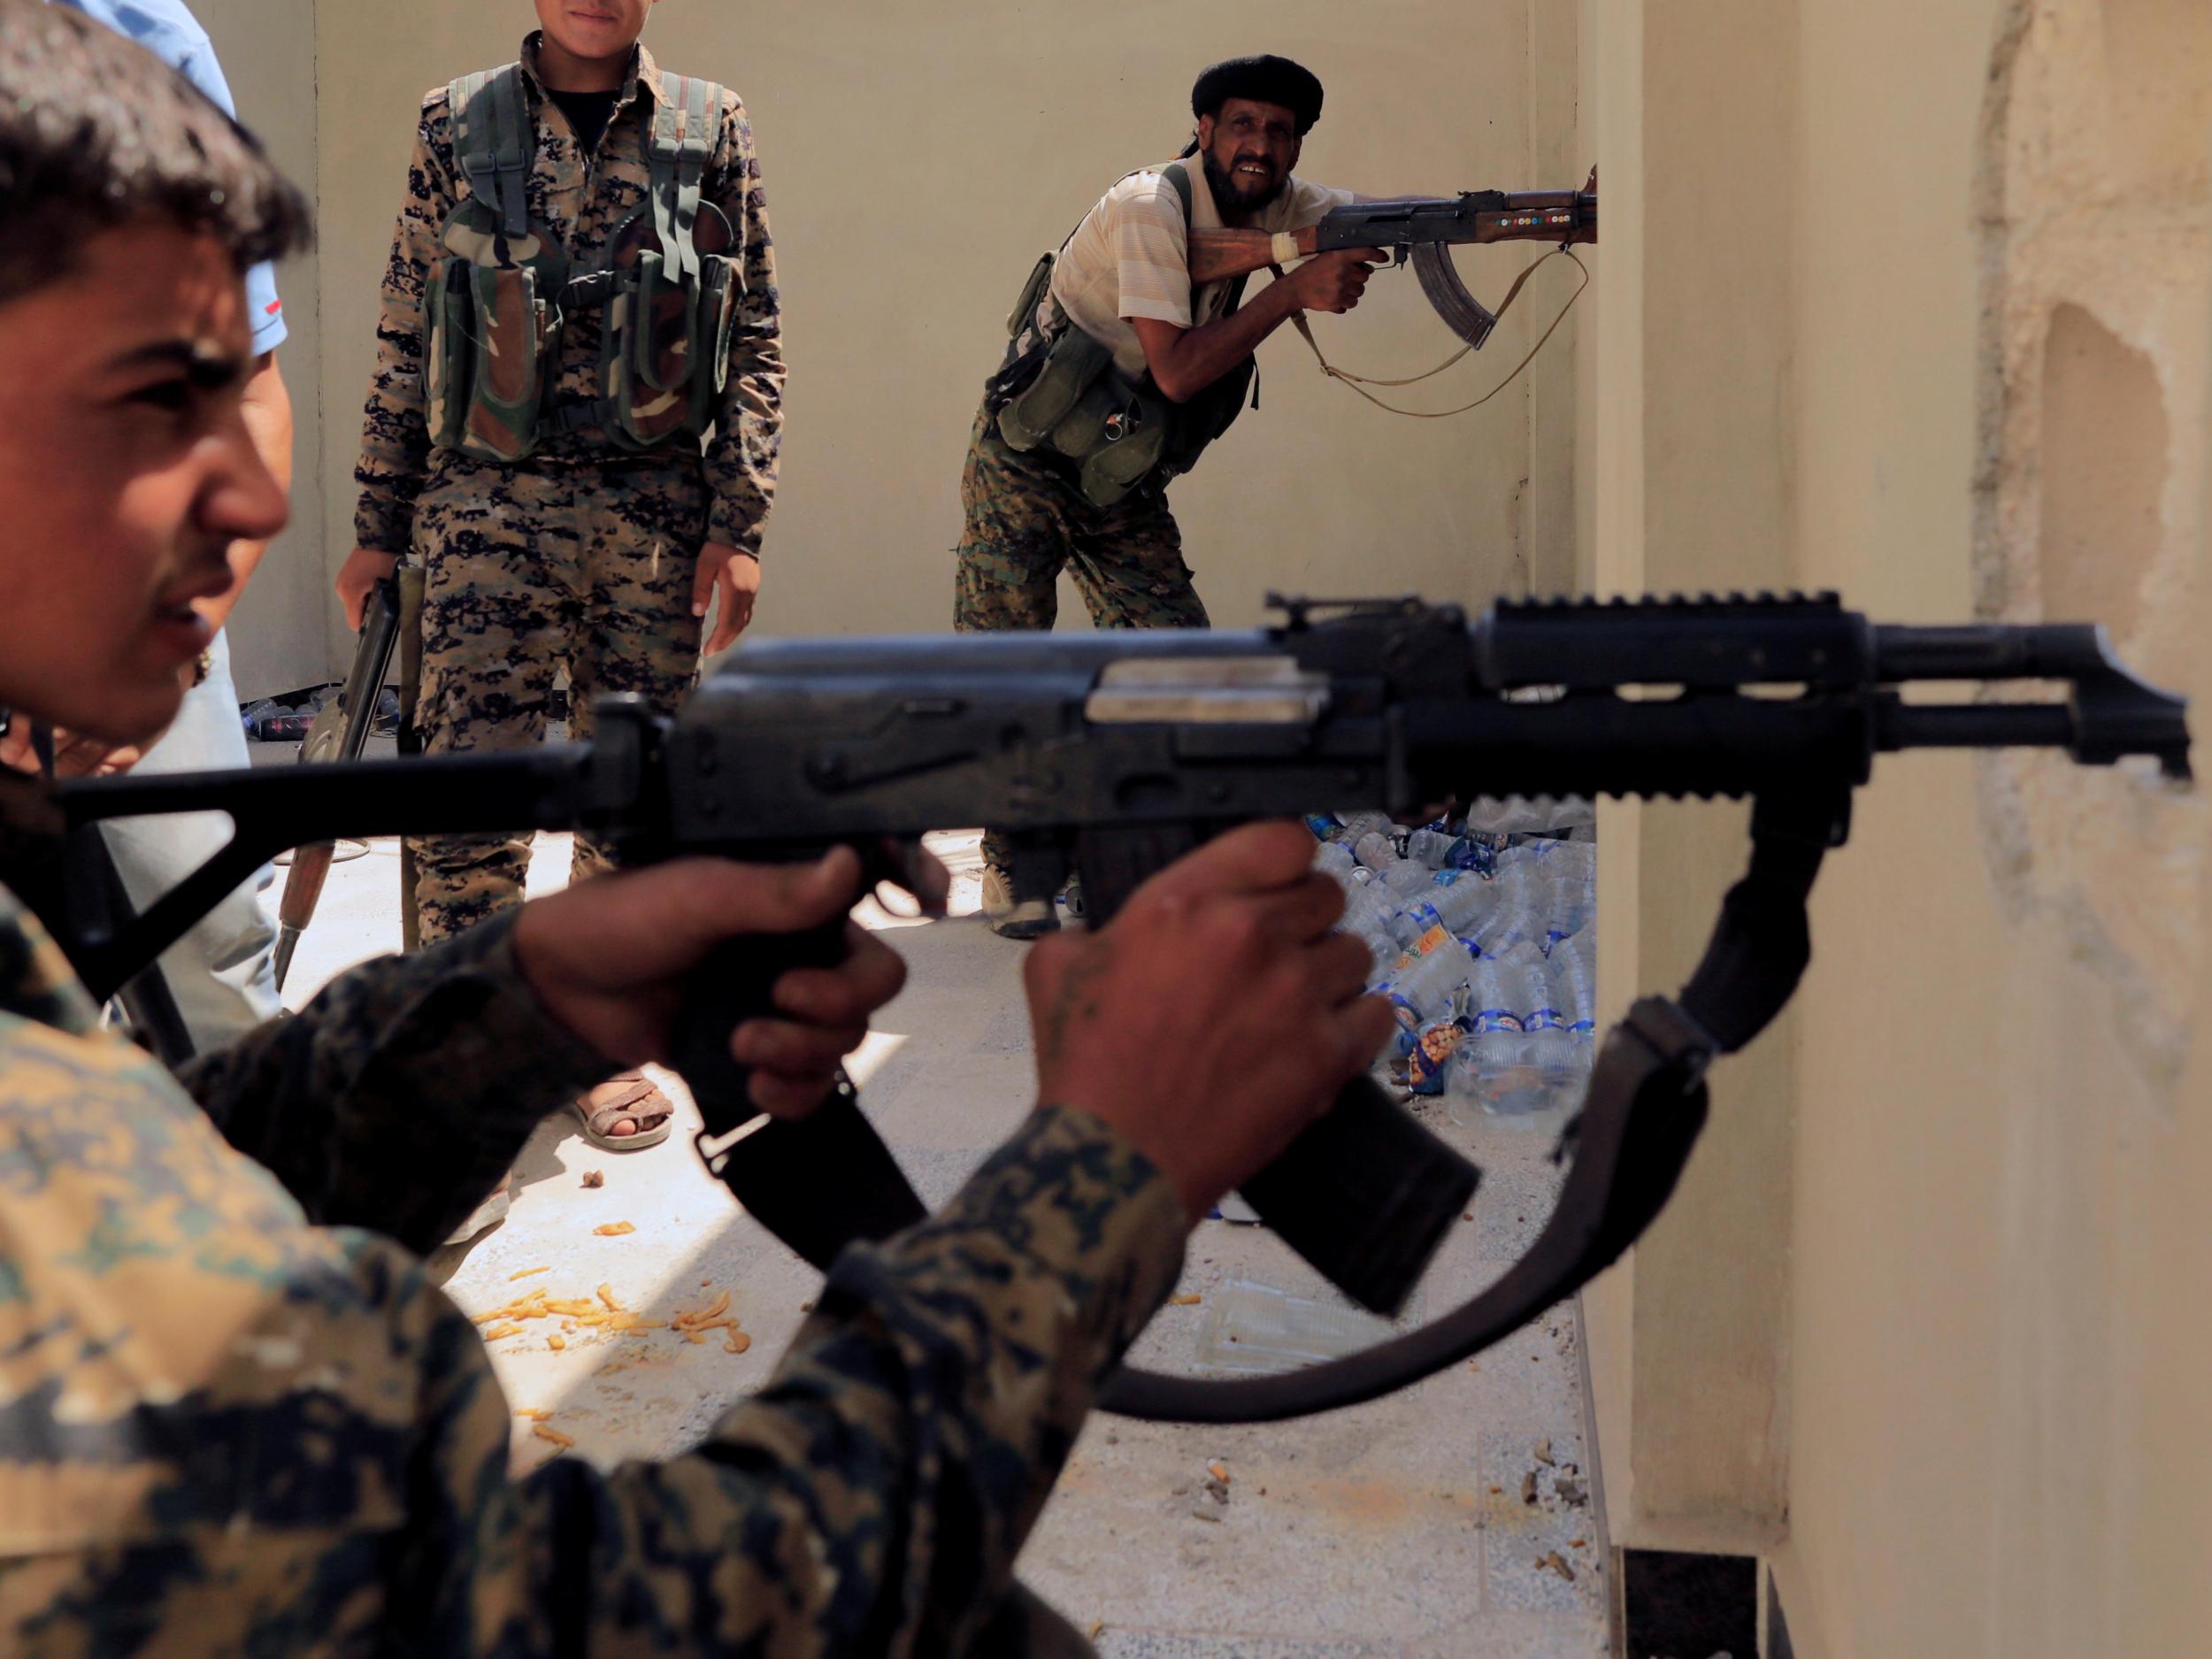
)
(1361, 383)
(1640, 1118)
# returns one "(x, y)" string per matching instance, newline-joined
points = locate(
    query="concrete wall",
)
(277, 635)
(1693, 434)
(1972, 1423)
(917, 160)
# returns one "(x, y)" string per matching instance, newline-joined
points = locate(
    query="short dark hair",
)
(96, 132)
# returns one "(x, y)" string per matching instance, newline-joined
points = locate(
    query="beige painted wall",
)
(1986, 376)
(1692, 490)
(916, 161)
(277, 634)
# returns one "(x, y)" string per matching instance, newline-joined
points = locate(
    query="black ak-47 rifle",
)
(340, 733)
(1422, 230)
(1135, 746)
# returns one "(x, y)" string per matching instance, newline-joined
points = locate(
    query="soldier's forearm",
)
(397, 1099)
(959, 1360)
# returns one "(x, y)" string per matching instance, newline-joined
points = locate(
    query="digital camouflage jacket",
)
(583, 199)
(237, 1419)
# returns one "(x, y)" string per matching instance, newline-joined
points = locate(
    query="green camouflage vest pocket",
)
(1041, 411)
(664, 356)
(489, 337)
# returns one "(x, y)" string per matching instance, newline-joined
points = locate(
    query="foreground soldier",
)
(233, 1420)
(1118, 374)
(223, 973)
(582, 290)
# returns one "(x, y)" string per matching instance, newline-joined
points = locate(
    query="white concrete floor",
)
(1429, 1526)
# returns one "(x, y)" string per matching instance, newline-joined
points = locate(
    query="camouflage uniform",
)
(1026, 521)
(582, 555)
(234, 1420)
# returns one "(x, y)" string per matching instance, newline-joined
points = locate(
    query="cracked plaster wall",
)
(1998, 1291)
(1990, 395)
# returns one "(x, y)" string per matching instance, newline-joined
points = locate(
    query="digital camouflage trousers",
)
(527, 571)
(1026, 521)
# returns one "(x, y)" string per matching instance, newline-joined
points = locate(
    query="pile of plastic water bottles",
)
(1482, 938)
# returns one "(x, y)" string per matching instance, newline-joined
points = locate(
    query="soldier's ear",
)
(1205, 132)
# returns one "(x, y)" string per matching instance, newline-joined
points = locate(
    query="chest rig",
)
(503, 290)
(1060, 393)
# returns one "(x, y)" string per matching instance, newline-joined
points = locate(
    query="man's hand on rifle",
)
(1335, 282)
(1216, 1016)
(609, 959)
(357, 578)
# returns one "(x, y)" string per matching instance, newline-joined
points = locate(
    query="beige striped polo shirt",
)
(1129, 258)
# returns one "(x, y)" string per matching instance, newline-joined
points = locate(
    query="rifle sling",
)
(1641, 1119)
(1360, 382)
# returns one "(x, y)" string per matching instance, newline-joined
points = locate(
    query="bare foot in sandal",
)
(626, 1113)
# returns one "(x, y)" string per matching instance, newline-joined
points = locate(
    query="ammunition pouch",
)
(500, 296)
(1062, 394)
(491, 324)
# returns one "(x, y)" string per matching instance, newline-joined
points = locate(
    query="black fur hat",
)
(1266, 78)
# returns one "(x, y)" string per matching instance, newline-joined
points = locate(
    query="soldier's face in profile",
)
(126, 473)
(594, 28)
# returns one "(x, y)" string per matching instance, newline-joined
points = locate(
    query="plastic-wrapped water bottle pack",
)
(1483, 942)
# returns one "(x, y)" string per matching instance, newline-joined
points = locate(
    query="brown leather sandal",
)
(632, 1094)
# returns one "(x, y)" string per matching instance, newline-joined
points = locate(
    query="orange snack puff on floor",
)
(614, 1229)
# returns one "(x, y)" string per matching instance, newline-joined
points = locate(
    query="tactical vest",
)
(1065, 395)
(500, 293)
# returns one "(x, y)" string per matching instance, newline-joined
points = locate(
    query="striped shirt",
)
(1129, 257)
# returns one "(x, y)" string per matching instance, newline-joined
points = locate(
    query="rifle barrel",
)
(1975, 725)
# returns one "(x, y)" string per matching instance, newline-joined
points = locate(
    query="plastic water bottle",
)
(1358, 824)
(1370, 911)
(1567, 878)
(1527, 977)
(1434, 847)
(1422, 989)
(1460, 905)
(1496, 1072)
(1574, 980)
(1512, 914)
(1407, 879)
(1334, 858)
(1376, 849)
